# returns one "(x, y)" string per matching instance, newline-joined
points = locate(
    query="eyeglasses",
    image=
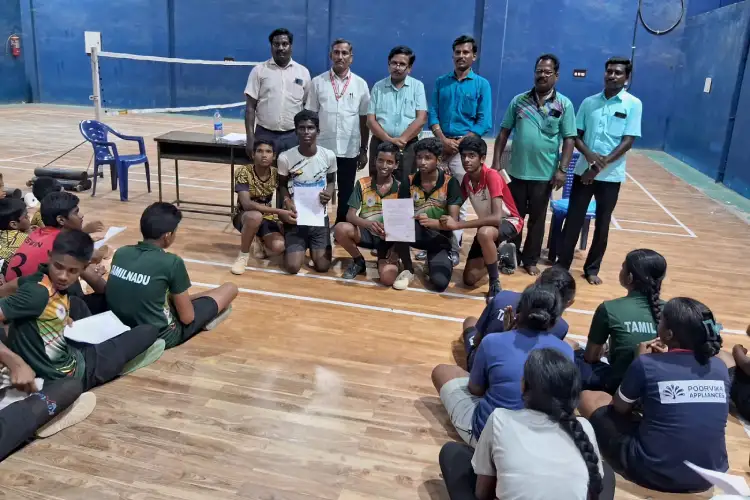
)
(543, 73)
(395, 64)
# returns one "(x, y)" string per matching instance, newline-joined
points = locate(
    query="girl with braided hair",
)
(683, 389)
(624, 322)
(540, 452)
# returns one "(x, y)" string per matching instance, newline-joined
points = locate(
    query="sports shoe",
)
(403, 280)
(75, 413)
(455, 258)
(421, 255)
(495, 288)
(239, 265)
(507, 258)
(356, 267)
(218, 319)
(145, 358)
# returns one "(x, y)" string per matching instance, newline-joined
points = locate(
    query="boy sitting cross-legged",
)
(149, 286)
(255, 185)
(14, 228)
(40, 309)
(364, 226)
(497, 217)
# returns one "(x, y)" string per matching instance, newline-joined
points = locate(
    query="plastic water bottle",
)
(218, 127)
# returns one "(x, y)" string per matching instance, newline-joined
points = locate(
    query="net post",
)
(97, 92)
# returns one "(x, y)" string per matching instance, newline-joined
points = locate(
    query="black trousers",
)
(532, 199)
(20, 420)
(346, 174)
(605, 194)
(105, 361)
(405, 168)
(283, 140)
(437, 244)
(460, 480)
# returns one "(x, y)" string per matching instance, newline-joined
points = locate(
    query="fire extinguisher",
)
(14, 41)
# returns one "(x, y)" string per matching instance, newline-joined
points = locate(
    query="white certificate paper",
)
(111, 233)
(96, 329)
(730, 484)
(310, 212)
(398, 219)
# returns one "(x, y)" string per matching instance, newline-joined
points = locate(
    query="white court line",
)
(649, 223)
(353, 305)
(678, 221)
(643, 231)
(616, 224)
(371, 284)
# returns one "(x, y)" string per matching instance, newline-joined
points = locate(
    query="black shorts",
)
(740, 391)
(372, 242)
(614, 432)
(266, 227)
(300, 238)
(205, 309)
(507, 232)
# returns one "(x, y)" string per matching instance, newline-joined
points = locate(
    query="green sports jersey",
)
(368, 201)
(435, 202)
(142, 278)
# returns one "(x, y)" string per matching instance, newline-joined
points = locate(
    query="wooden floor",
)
(316, 387)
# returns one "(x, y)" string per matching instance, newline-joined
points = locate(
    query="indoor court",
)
(317, 387)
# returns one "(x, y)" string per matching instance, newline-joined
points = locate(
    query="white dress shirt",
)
(280, 93)
(339, 118)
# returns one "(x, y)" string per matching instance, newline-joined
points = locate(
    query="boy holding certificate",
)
(302, 169)
(497, 217)
(364, 221)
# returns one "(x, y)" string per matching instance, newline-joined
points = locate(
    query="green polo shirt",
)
(142, 278)
(369, 201)
(538, 133)
(626, 322)
(435, 202)
(37, 314)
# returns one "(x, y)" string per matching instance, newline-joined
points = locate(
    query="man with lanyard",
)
(608, 124)
(275, 92)
(541, 120)
(397, 111)
(461, 105)
(341, 98)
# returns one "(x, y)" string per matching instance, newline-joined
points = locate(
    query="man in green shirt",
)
(149, 286)
(541, 120)
(40, 309)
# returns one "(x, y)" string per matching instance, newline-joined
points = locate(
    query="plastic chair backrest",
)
(94, 131)
(571, 175)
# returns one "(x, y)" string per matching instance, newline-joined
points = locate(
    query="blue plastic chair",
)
(560, 211)
(105, 153)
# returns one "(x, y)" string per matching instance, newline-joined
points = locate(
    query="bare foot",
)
(593, 279)
(532, 270)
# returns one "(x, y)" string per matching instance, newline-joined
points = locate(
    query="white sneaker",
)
(75, 413)
(403, 280)
(239, 265)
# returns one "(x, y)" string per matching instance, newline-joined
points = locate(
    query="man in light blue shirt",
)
(461, 105)
(608, 124)
(397, 111)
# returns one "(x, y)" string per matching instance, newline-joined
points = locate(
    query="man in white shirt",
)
(341, 98)
(275, 92)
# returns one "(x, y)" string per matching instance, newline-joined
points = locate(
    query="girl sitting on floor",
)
(682, 388)
(625, 322)
(540, 452)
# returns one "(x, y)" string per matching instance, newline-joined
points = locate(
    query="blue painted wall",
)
(13, 85)
(737, 175)
(700, 6)
(584, 33)
(713, 45)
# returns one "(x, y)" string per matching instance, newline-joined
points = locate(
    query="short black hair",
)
(281, 32)
(549, 57)
(473, 143)
(339, 41)
(76, 244)
(307, 115)
(560, 278)
(466, 39)
(389, 147)
(267, 142)
(159, 219)
(431, 144)
(57, 204)
(620, 60)
(402, 49)
(44, 186)
(11, 210)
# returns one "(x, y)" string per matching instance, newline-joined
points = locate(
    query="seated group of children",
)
(437, 198)
(147, 290)
(651, 378)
